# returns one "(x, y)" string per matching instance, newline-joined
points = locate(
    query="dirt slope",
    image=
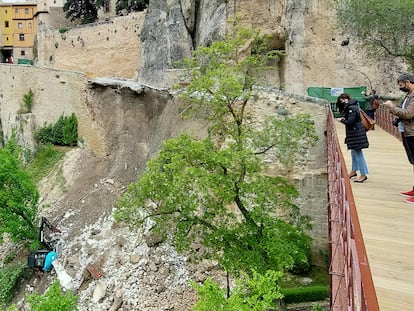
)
(79, 197)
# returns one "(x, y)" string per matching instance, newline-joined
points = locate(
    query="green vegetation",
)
(53, 300)
(44, 160)
(384, 27)
(305, 294)
(64, 132)
(317, 307)
(254, 292)
(63, 30)
(318, 275)
(18, 210)
(9, 277)
(131, 6)
(27, 105)
(215, 191)
(9, 257)
(18, 196)
(84, 11)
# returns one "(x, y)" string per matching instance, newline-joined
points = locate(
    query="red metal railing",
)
(352, 287)
(384, 119)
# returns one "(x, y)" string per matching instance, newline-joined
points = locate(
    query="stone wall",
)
(145, 46)
(56, 93)
(111, 48)
(53, 20)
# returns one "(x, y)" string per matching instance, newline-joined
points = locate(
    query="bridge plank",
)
(387, 222)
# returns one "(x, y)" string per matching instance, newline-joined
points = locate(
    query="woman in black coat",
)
(356, 137)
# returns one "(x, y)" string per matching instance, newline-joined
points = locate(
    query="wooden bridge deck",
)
(387, 222)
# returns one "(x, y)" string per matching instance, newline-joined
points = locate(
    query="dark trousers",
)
(408, 142)
(371, 114)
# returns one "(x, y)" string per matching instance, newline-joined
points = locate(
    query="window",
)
(22, 53)
(29, 25)
(26, 11)
(20, 25)
(6, 24)
(21, 37)
(17, 11)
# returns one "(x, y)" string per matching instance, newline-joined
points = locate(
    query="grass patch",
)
(44, 161)
(296, 290)
(9, 277)
(319, 276)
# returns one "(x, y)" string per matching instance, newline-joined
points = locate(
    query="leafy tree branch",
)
(384, 27)
(216, 190)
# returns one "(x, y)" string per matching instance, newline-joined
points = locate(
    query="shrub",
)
(27, 105)
(63, 30)
(9, 257)
(64, 132)
(53, 300)
(18, 196)
(257, 292)
(305, 294)
(9, 277)
(70, 131)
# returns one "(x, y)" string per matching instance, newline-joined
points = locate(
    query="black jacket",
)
(356, 136)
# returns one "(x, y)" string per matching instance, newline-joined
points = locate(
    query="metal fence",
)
(352, 287)
(384, 119)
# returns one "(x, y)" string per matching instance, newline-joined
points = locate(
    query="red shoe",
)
(408, 193)
(409, 200)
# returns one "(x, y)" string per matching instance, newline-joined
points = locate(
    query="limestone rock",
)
(99, 292)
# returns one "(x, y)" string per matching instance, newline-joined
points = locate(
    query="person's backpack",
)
(375, 104)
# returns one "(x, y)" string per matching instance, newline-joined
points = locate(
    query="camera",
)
(396, 121)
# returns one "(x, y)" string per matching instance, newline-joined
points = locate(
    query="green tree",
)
(18, 196)
(131, 6)
(215, 190)
(85, 11)
(384, 27)
(251, 293)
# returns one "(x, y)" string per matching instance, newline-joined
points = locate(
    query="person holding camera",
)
(405, 122)
(372, 103)
(355, 135)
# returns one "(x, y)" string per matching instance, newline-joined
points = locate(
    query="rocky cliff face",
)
(307, 31)
(122, 126)
(146, 45)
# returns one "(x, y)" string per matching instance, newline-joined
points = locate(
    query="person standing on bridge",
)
(372, 103)
(355, 136)
(405, 121)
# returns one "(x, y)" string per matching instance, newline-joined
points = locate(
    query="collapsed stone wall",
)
(122, 125)
(126, 123)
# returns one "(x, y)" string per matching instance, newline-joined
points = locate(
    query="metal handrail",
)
(352, 287)
(384, 119)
